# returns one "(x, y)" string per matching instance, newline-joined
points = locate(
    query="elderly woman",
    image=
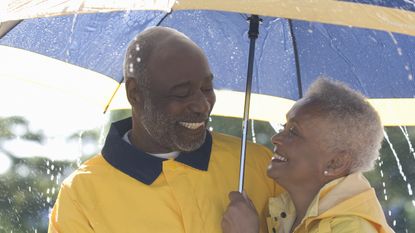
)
(332, 135)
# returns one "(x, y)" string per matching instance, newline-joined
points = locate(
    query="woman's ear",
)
(339, 165)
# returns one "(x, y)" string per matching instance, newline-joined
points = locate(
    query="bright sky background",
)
(57, 115)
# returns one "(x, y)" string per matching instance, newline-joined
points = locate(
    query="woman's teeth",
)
(280, 158)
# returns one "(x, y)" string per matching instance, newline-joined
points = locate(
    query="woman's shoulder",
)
(348, 223)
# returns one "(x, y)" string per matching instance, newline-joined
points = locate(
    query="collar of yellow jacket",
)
(342, 196)
(142, 166)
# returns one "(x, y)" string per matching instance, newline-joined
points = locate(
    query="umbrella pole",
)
(253, 35)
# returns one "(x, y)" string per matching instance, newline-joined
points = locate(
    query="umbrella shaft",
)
(253, 35)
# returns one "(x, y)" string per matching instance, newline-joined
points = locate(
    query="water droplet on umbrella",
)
(138, 59)
(399, 51)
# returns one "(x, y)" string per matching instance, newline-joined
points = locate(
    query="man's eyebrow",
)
(188, 83)
(180, 85)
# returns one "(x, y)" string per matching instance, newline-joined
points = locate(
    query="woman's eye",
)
(291, 130)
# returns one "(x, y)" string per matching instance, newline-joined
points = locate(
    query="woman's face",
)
(300, 156)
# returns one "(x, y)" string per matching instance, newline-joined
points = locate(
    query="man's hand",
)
(241, 215)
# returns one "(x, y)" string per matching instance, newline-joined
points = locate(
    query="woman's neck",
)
(302, 198)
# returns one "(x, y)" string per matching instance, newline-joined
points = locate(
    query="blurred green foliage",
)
(29, 188)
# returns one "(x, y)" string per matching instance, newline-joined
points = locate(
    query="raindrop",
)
(405, 133)
(30, 188)
(211, 129)
(57, 179)
(52, 177)
(407, 67)
(253, 131)
(399, 51)
(393, 38)
(310, 31)
(130, 56)
(137, 47)
(409, 189)
(410, 77)
(413, 203)
(52, 167)
(390, 213)
(48, 199)
(131, 67)
(138, 59)
(394, 222)
(396, 156)
(71, 36)
(47, 191)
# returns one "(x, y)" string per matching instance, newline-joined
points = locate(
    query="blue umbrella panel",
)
(289, 54)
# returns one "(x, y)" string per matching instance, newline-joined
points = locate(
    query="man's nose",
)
(200, 103)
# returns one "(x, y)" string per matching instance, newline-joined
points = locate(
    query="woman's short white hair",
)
(354, 125)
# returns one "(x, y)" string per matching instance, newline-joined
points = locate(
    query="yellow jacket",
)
(347, 204)
(128, 191)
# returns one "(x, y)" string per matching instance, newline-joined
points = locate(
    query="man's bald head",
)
(153, 43)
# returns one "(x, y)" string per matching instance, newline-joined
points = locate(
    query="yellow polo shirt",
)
(126, 190)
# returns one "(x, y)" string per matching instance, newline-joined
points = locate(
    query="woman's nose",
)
(276, 139)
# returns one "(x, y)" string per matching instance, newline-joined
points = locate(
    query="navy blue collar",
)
(142, 166)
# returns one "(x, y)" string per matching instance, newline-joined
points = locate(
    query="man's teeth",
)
(190, 125)
(279, 157)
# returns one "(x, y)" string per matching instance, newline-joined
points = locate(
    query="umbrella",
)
(289, 54)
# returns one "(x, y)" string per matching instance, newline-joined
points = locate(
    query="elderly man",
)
(161, 170)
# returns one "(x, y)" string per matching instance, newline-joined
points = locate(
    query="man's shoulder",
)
(88, 170)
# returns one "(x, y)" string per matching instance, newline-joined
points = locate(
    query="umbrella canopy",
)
(289, 55)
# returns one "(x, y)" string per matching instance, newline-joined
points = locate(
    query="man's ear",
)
(339, 165)
(132, 90)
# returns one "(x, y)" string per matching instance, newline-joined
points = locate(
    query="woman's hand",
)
(241, 215)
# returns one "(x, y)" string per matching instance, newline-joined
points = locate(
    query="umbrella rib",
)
(164, 17)
(6, 27)
(297, 60)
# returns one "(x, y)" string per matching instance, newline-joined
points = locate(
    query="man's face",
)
(179, 100)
